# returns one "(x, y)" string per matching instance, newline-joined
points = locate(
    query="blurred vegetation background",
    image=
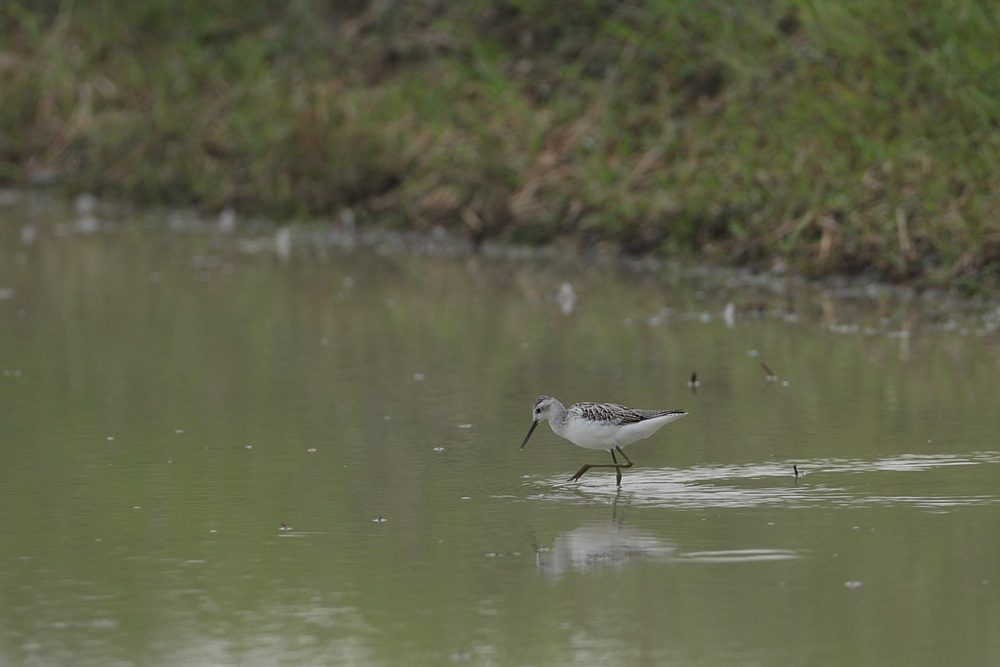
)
(822, 137)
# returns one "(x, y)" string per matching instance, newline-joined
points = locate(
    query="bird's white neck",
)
(556, 414)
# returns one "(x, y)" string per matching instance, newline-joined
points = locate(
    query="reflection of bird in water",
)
(600, 426)
(599, 546)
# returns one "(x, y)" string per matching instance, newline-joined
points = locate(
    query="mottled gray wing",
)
(619, 415)
(609, 413)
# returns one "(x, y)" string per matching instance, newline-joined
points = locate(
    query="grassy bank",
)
(832, 136)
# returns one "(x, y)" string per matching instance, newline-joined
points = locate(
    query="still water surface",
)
(171, 395)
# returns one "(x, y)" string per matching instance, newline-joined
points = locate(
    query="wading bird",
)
(600, 426)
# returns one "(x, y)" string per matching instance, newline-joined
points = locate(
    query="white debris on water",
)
(85, 206)
(283, 243)
(566, 298)
(729, 315)
(226, 223)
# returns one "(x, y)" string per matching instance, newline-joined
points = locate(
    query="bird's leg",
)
(617, 466)
(586, 467)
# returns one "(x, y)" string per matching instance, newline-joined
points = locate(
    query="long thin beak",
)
(530, 431)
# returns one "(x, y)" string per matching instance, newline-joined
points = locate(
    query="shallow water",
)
(170, 395)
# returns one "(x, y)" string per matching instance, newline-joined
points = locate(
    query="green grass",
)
(828, 136)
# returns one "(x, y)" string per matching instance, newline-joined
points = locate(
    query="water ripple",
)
(824, 482)
(739, 555)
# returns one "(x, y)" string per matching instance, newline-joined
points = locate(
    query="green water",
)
(170, 396)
